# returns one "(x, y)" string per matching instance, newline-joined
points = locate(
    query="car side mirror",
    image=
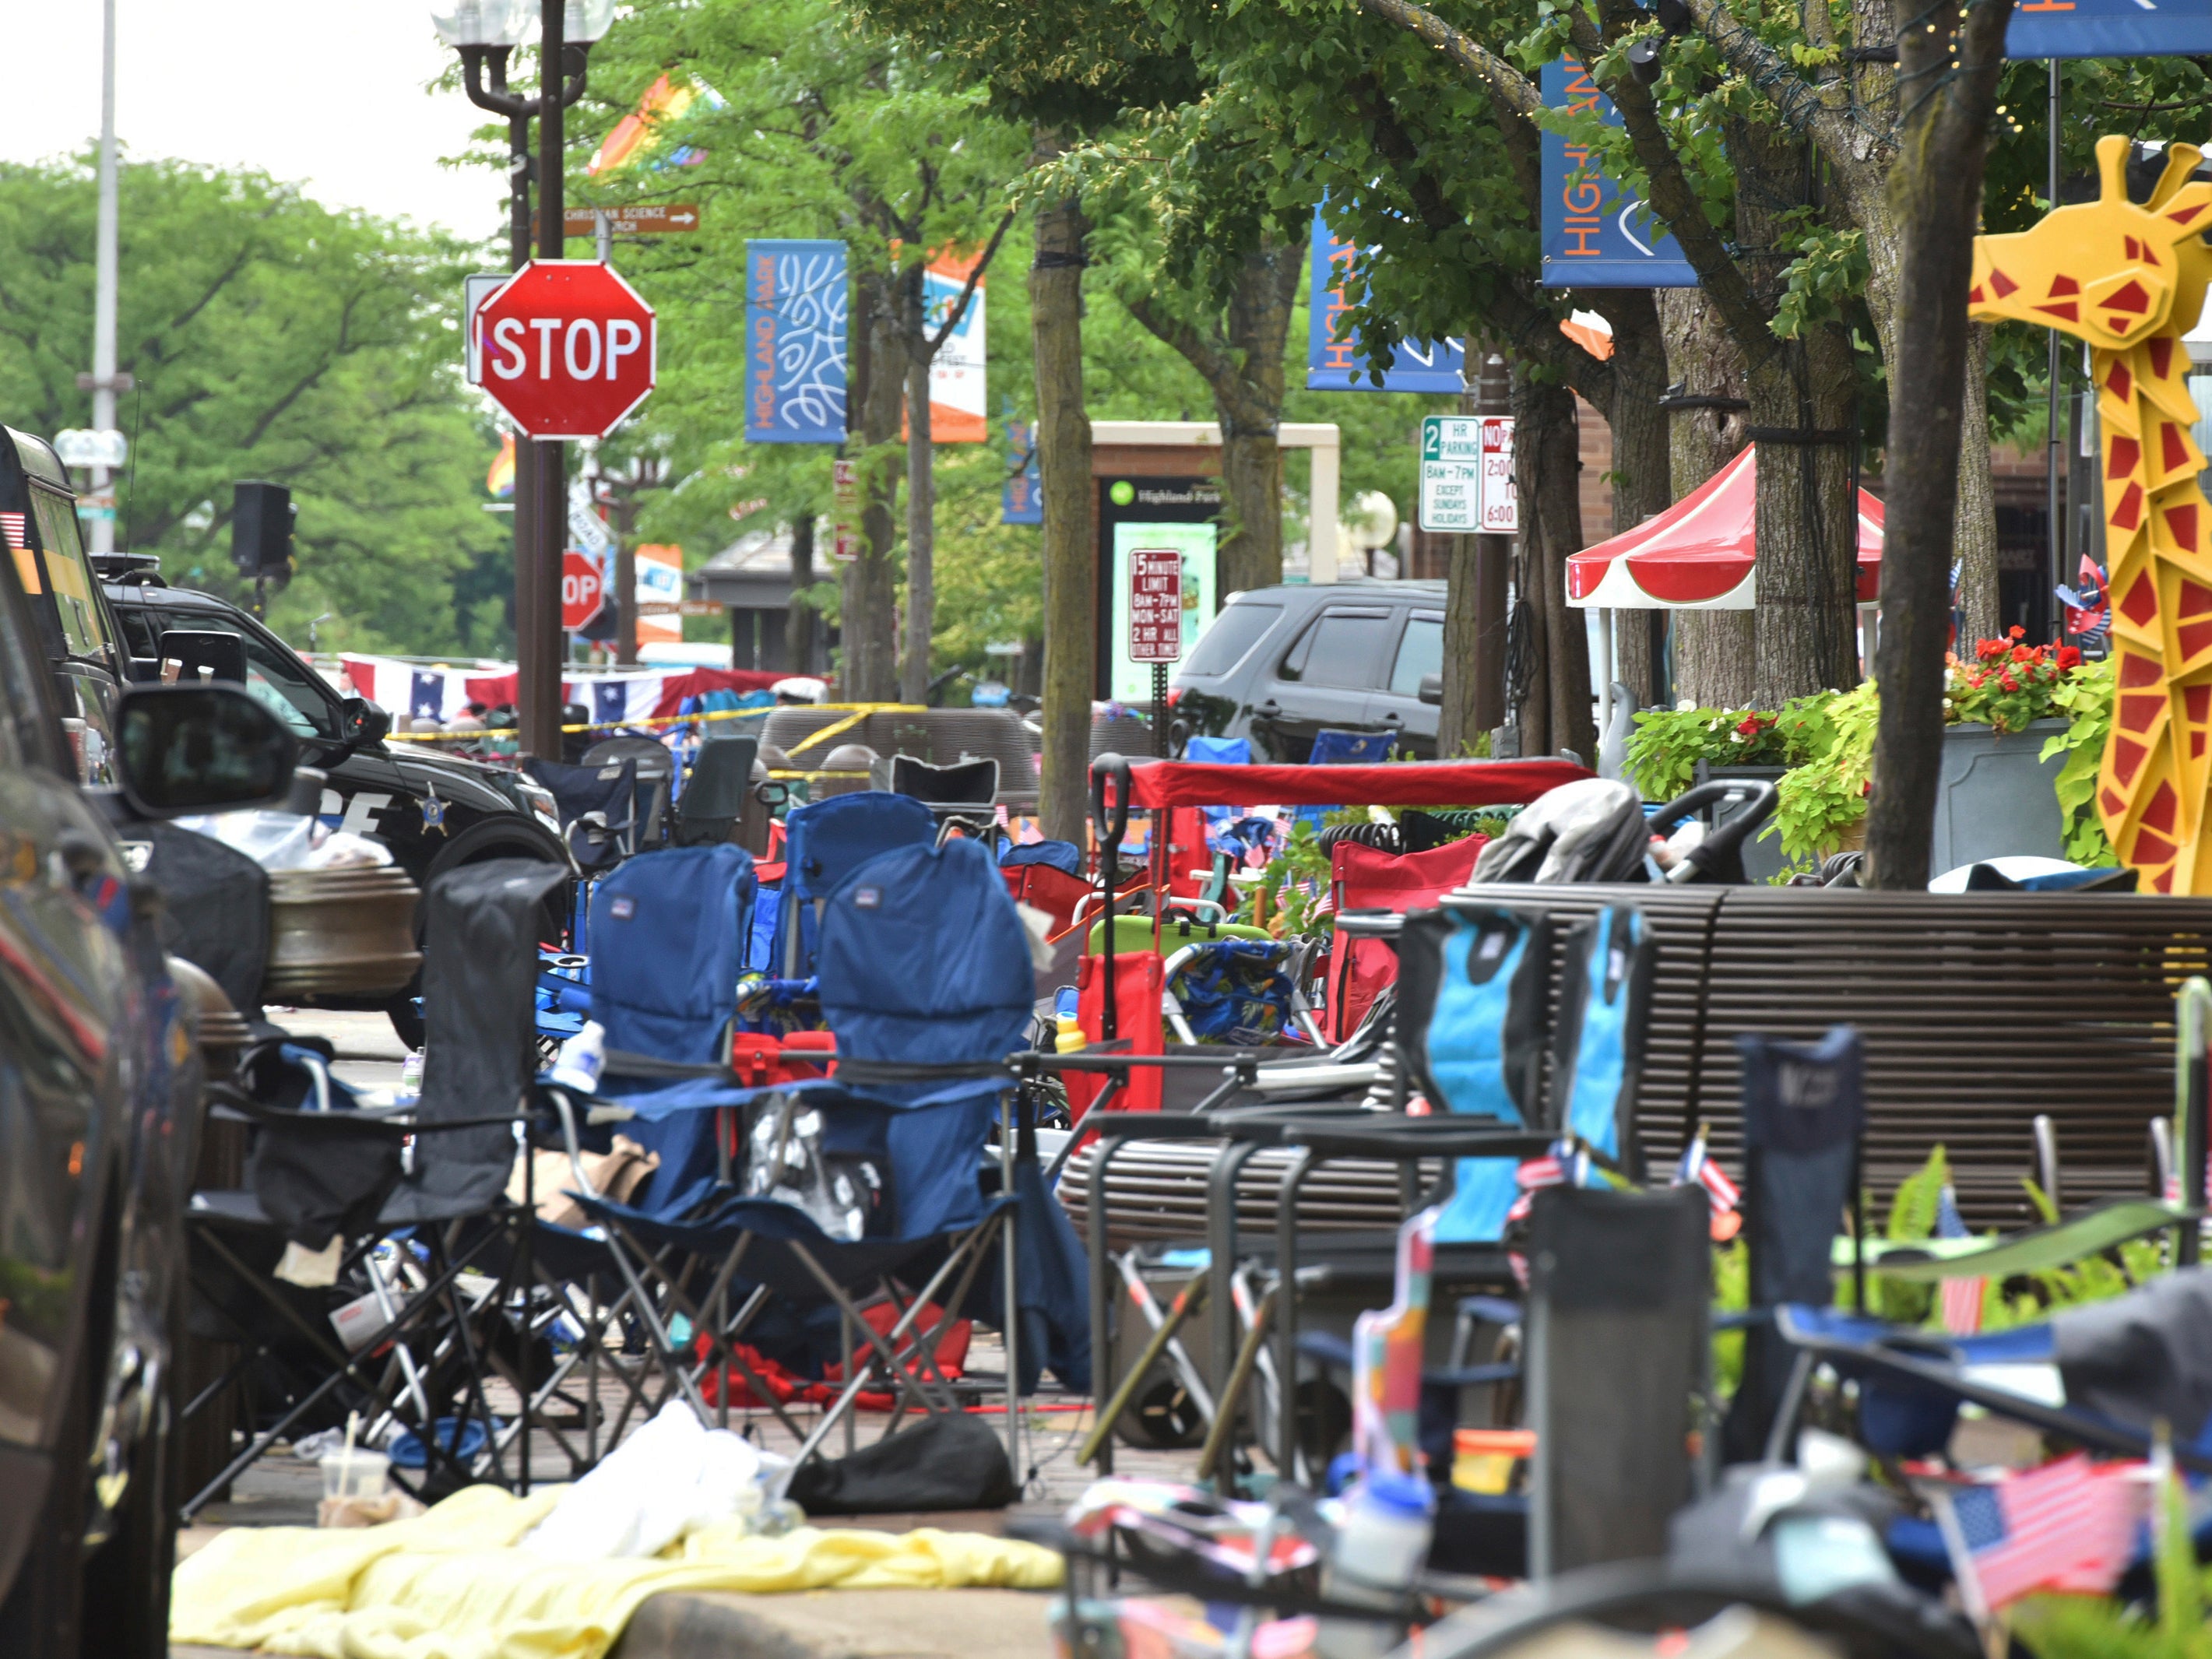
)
(221, 655)
(362, 722)
(200, 749)
(1431, 689)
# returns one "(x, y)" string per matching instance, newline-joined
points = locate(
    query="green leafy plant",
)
(2086, 700)
(1667, 744)
(1823, 797)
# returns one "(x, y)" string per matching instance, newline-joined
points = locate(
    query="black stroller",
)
(1596, 831)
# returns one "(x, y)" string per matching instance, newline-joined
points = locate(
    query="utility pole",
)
(105, 278)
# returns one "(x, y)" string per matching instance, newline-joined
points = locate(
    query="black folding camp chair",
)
(387, 1207)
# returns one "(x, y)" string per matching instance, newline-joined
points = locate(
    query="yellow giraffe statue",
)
(2130, 280)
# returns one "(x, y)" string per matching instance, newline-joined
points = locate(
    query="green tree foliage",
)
(271, 337)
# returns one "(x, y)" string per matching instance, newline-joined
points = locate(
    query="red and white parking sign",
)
(567, 348)
(582, 589)
(1155, 605)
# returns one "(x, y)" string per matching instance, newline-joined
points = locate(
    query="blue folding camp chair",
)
(873, 1180)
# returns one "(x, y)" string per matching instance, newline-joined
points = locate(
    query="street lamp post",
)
(485, 33)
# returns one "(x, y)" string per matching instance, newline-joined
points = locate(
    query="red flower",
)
(2015, 633)
(2022, 654)
(1985, 649)
(2007, 681)
(1750, 726)
(2069, 657)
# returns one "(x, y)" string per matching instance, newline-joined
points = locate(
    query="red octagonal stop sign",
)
(567, 348)
(583, 590)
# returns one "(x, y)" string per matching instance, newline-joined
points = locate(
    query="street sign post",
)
(634, 219)
(1156, 624)
(583, 590)
(568, 349)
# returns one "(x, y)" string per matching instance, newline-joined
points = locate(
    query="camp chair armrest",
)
(2095, 1433)
(1150, 1126)
(2088, 1233)
(1418, 1137)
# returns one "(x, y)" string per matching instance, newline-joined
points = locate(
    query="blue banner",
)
(2108, 28)
(1334, 365)
(1021, 501)
(795, 305)
(1596, 234)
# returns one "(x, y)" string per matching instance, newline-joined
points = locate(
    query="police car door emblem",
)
(434, 812)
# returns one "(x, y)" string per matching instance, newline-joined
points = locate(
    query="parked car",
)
(100, 1083)
(435, 811)
(1280, 664)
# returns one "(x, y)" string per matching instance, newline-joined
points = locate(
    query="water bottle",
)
(1380, 1545)
(410, 1075)
(582, 1058)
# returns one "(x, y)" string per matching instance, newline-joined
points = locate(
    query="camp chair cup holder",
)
(1719, 857)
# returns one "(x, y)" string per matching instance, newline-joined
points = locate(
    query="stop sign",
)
(582, 587)
(567, 348)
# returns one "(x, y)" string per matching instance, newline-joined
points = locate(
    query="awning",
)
(1410, 783)
(1698, 554)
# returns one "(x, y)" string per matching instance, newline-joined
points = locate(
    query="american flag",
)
(2070, 1524)
(11, 526)
(1696, 1166)
(1960, 1298)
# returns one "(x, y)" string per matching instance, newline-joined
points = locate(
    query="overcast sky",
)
(327, 94)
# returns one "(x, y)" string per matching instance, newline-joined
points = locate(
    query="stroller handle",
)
(1719, 857)
(1111, 829)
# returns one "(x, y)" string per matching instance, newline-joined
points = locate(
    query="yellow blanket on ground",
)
(450, 1585)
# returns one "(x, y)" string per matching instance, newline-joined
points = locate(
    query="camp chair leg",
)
(344, 1366)
(1009, 1236)
(1211, 1456)
(1178, 1356)
(1303, 1163)
(663, 1342)
(1102, 1301)
(1783, 1432)
(1221, 1228)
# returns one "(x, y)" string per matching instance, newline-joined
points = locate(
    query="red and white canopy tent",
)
(1698, 555)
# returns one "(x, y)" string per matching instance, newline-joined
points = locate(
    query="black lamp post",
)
(485, 33)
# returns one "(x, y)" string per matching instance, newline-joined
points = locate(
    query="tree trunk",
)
(920, 500)
(1241, 364)
(1806, 533)
(1800, 419)
(1475, 602)
(1974, 529)
(798, 620)
(1934, 193)
(1063, 443)
(1640, 482)
(1548, 473)
(1715, 651)
(870, 668)
(1251, 456)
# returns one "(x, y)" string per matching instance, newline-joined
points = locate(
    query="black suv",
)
(434, 811)
(100, 1083)
(1280, 663)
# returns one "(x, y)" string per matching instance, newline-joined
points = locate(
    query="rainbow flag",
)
(500, 481)
(664, 100)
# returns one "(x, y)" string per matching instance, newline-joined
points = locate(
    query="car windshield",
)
(1230, 636)
(75, 597)
(273, 674)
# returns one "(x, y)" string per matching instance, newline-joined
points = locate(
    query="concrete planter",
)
(1997, 796)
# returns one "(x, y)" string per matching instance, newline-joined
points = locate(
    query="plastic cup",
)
(363, 1473)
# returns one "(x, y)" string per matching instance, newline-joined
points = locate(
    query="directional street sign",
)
(568, 349)
(636, 219)
(1466, 475)
(582, 589)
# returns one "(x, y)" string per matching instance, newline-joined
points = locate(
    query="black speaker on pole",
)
(261, 531)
